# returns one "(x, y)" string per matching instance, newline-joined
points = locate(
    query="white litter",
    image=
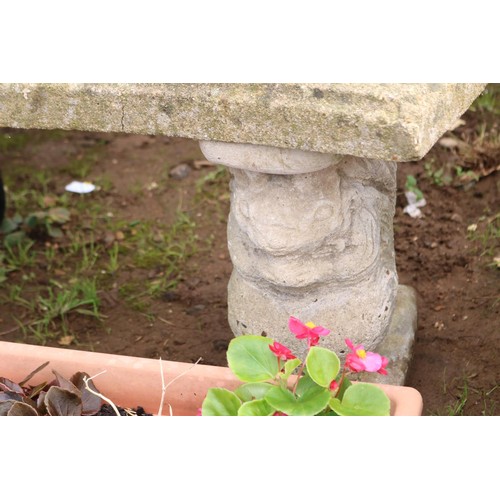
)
(80, 187)
(414, 206)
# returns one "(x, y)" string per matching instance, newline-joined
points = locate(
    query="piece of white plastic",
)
(80, 187)
(414, 206)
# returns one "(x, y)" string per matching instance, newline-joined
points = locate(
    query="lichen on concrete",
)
(398, 122)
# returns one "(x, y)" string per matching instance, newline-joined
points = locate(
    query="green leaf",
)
(85, 312)
(345, 385)
(290, 365)
(250, 358)
(59, 214)
(305, 383)
(312, 402)
(32, 220)
(256, 408)
(15, 238)
(54, 232)
(323, 365)
(252, 390)
(8, 225)
(220, 402)
(362, 399)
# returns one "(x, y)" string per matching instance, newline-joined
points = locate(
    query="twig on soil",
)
(165, 387)
(166, 321)
(87, 379)
(6, 332)
(10, 331)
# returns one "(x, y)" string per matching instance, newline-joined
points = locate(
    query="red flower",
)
(334, 385)
(281, 352)
(308, 331)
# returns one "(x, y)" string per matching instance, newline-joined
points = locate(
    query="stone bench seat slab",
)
(395, 122)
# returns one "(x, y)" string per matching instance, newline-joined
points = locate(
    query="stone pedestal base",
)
(397, 345)
(310, 235)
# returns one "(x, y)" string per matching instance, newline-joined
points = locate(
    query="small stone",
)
(220, 344)
(199, 164)
(170, 296)
(109, 238)
(180, 171)
(192, 311)
(66, 340)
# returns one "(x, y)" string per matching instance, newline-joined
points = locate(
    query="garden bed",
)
(142, 266)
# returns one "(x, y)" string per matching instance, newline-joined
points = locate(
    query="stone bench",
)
(313, 188)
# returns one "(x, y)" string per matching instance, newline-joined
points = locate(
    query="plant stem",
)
(87, 379)
(165, 387)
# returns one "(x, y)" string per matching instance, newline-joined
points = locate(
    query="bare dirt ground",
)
(141, 265)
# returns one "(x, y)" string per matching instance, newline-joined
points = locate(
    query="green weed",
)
(488, 101)
(486, 232)
(113, 253)
(12, 141)
(80, 297)
(19, 255)
(411, 185)
(437, 176)
(80, 167)
(216, 177)
(165, 247)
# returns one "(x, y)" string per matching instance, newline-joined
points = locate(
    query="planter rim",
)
(141, 377)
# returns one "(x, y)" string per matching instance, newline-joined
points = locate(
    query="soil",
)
(108, 411)
(176, 308)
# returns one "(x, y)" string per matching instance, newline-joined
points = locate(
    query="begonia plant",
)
(277, 383)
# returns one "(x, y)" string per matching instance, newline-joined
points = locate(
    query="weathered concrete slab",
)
(398, 122)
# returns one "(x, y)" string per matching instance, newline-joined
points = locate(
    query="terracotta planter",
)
(130, 382)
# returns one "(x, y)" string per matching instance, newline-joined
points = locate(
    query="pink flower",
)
(359, 360)
(382, 369)
(281, 352)
(279, 414)
(308, 331)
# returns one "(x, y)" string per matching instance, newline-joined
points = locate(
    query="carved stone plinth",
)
(310, 235)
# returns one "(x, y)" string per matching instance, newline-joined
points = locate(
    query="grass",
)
(45, 311)
(162, 248)
(19, 256)
(13, 141)
(88, 265)
(80, 168)
(488, 101)
(486, 232)
(113, 253)
(466, 398)
(437, 176)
